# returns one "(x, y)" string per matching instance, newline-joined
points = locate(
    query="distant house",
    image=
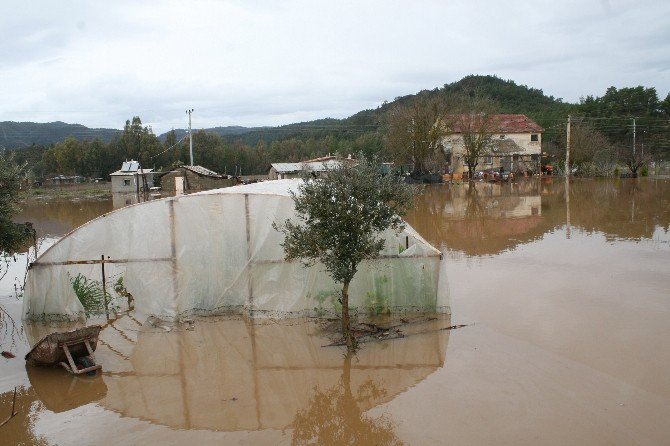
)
(516, 143)
(317, 166)
(60, 180)
(189, 179)
(132, 178)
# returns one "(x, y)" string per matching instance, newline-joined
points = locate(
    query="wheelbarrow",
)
(68, 349)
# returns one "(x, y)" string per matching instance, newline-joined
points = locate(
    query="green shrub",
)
(90, 294)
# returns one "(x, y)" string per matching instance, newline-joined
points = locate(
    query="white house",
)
(132, 178)
(516, 142)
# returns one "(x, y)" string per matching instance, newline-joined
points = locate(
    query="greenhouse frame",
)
(217, 252)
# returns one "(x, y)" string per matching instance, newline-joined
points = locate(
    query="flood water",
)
(564, 290)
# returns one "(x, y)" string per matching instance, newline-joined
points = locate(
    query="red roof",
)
(496, 124)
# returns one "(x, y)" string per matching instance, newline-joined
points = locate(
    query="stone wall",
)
(194, 182)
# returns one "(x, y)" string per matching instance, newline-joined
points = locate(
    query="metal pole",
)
(104, 288)
(567, 149)
(633, 136)
(190, 135)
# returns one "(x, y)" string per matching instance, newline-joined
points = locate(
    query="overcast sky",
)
(275, 62)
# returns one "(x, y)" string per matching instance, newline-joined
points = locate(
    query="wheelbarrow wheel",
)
(83, 362)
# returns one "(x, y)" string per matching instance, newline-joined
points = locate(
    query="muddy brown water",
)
(565, 290)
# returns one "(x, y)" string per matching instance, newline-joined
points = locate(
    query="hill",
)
(15, 135)
(233, 130)
(510, 98)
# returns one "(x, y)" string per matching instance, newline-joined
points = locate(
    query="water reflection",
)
(230, 374)
(333, 416)
(57, 217)
(120, 200)
(258, 375)
(59, 390)
(480, 218)
(20, 428)
(488, 218)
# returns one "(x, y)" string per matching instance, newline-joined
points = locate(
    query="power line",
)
(173, 145)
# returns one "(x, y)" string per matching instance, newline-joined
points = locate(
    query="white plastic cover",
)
(216, 252)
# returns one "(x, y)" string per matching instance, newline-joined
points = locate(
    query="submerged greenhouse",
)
(217, 252)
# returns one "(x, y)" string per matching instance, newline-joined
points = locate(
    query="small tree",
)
(340, 216)
(633, 160)
(12, 235)
(476, 130)
(475, 124)
(415, 132)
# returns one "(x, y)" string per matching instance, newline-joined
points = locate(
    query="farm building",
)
(283, 171)
(515, 142)
(132, 178)
(189, 179)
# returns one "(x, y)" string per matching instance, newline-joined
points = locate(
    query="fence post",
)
(104, 288)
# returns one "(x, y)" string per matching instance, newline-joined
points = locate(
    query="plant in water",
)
(121, 290)
(340, 216)
(90, 294)
(377, 300)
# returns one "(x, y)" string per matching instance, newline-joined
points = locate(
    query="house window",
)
(126, 182)
(534, 137)
(488, 160)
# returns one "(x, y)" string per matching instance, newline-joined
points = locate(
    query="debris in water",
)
(453, 327)
(8, 355)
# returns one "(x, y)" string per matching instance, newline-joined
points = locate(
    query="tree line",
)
(402, 131)
(97, 159)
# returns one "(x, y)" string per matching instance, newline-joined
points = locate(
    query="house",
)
(132, 178)
(282, 171)
(515, 142)
(61, 180)
(189, 179)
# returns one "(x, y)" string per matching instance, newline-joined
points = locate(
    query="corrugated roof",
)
(203, 171)
(316, 166)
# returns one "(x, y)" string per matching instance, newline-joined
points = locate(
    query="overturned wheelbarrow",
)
(69, 349)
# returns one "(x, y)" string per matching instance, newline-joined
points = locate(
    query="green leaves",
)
(340, 216)
(90, 294)
(12, 235)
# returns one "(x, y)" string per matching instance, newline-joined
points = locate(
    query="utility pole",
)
(567, 149)
(633, 137)
(190, 134)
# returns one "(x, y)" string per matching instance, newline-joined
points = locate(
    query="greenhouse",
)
(216, 252)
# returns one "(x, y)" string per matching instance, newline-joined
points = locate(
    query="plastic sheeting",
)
(216, 252)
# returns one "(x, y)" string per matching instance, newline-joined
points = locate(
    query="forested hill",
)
(22, 134)
(232, 131)
(507, 96)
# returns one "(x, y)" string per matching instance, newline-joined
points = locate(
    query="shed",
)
(282, 171)
(132, 178)
(215, 252)
(188, 179)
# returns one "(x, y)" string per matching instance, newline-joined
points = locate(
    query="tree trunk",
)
(471, 171)
(346, 326)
